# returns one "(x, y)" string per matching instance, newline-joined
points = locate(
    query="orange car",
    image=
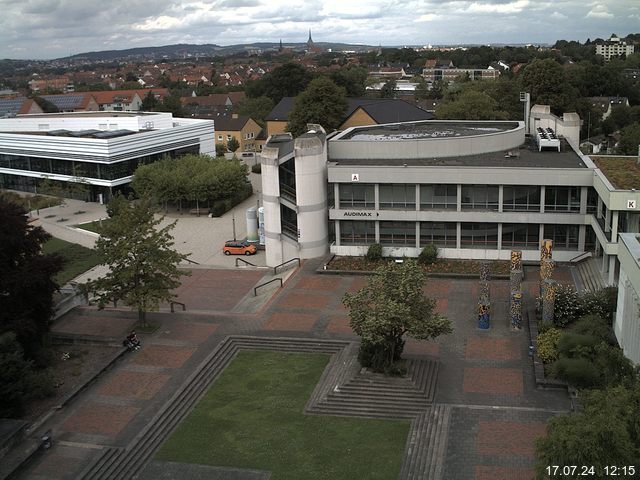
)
(233, 247)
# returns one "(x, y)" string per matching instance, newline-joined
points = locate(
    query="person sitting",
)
(132, 342)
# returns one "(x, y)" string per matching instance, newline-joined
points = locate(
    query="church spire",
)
(310, 41)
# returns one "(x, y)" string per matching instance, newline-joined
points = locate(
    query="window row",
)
(472, 197)
(444, 234)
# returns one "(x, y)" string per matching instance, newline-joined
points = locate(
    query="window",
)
(592, 201)
(289, 222)
(521, 198)
(479, 197)
(398, 196)
(479, 235)
(438, 197)
(562, 199)
(520, 235)
(287, 173)
(353, 232)
(228, 138)
(442, 234)
(220, 137)
(565, 237)
(357, 195)
(401, 234)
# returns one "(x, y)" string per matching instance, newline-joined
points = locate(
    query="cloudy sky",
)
(57, 28)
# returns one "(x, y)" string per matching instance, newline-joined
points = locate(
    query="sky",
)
(45, 29)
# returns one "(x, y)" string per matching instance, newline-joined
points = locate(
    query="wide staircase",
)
(587, 275)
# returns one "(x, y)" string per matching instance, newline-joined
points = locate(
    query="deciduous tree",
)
(390, 306)
(143, 265)
(323, 102)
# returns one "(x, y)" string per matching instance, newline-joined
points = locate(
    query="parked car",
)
(233, 247)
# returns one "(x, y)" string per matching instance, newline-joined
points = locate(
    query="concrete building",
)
(98, 149)
(627, 322)
(614, 47)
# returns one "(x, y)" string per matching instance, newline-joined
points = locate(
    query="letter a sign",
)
(355, 177)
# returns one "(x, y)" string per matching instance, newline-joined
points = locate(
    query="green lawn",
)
(252, 417)
(78, 259)
(92, 226)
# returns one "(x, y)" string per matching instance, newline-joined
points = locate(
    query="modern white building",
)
(99, 149)
(614, 47)
(627, 321)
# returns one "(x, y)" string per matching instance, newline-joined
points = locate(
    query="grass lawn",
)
(78, 259)
(92, 226)
(252, 417)
(622, 172)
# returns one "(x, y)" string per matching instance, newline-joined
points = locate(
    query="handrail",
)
(171, 303)
(243, 261)
(255, 290)
(582, 256)
(191, 261)
(275, 269)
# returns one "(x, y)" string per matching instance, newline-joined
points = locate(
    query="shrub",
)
(602, 303)
(544, 326)
(577, 345)
(614, 367)
(374, 253)
(547, 345)
(579, 372)
(568, 306)
(375, 356)
(257, 168)
(428, 255)
(595, 326)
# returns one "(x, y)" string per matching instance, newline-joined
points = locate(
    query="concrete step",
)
(364, 411)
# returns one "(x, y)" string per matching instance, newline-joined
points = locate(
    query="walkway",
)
(486, 412)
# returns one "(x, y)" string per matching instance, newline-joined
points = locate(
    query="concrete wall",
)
(627, 321)
(271, 203)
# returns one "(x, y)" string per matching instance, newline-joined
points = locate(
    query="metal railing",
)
(275, 269)
(192, 261)
(172, 303)
(255, 290)
(580, 257)
(238, 259)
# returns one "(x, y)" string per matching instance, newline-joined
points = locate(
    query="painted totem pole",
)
(546, 272)
(515, 282)
(484, 303)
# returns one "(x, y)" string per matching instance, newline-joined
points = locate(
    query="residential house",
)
(12, 106)
(606, 104)
(614, 47)
(73, 102)
(243, 128)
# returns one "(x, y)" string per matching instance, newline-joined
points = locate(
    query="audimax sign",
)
(360, 214)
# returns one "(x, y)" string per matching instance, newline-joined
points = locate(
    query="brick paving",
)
(496, 381)
(486, 376)
(101, 326)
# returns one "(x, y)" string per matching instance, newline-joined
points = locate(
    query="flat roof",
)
(622, 172)
(426, 129)
(100, 134)
(525, 156)
(101, 113)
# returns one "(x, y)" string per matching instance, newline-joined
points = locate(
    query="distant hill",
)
(193, 50)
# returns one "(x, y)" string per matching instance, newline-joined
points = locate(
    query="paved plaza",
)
(485, 378)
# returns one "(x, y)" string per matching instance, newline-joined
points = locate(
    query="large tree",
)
(323, 102)
(549, 84)
(606, 432)
(471, 105)
(143, 265)
(630, 139)
(390, 306)
(26, 278)
(287, 80)
(256, 108)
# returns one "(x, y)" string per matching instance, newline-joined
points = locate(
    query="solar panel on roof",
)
(66, 102)
(11, 105)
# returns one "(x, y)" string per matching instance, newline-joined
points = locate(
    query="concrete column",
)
(271, 202)
(458, 234)
(500, 202)
(599, 209)
(605, 259)
(417, 197)
(336, 195)
(584, 192)
(582, 235)
(459, 198)
(377, 231)
(376, 196)
(612, 269)
(542, 200)
(541, 233)
(337, 225)
(417, 234)
(614, 227)
(500, 231)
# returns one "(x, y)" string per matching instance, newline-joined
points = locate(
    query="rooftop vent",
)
(547, 138)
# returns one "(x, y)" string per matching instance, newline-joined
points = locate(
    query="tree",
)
(548, 84)
(143, 266)
(26, 279)
(287, 80)
(233, 144)
(221, 149)
(352, 78)
(323, 102)
(630, 139)
(606, 432)
(149, 102)
(391, 305)
(422, 90)
(256, 108)
(388, 90)
(171, 103)
(471, 105)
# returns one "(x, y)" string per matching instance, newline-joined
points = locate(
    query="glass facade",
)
(399, 196)
(287, 173)
(357, 233)
(398, 234)
(357, 195)
(289, 222)
(520, 235)
(562, 199)
(480, 197)
(438, 197)
(565, 237)
(519, 198)
(479, 235)
(442, 234)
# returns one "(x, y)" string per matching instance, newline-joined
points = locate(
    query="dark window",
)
(520, 235)
(592, 200)
(289, 222)
(565, 237)
(287, 172)
(353, 232)
(357, 196)
(479, 235)
(438, 197)
(562, 199)
(398, 233)
(398, 196)
(521, 198)
(442, 234)
(480, 197)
